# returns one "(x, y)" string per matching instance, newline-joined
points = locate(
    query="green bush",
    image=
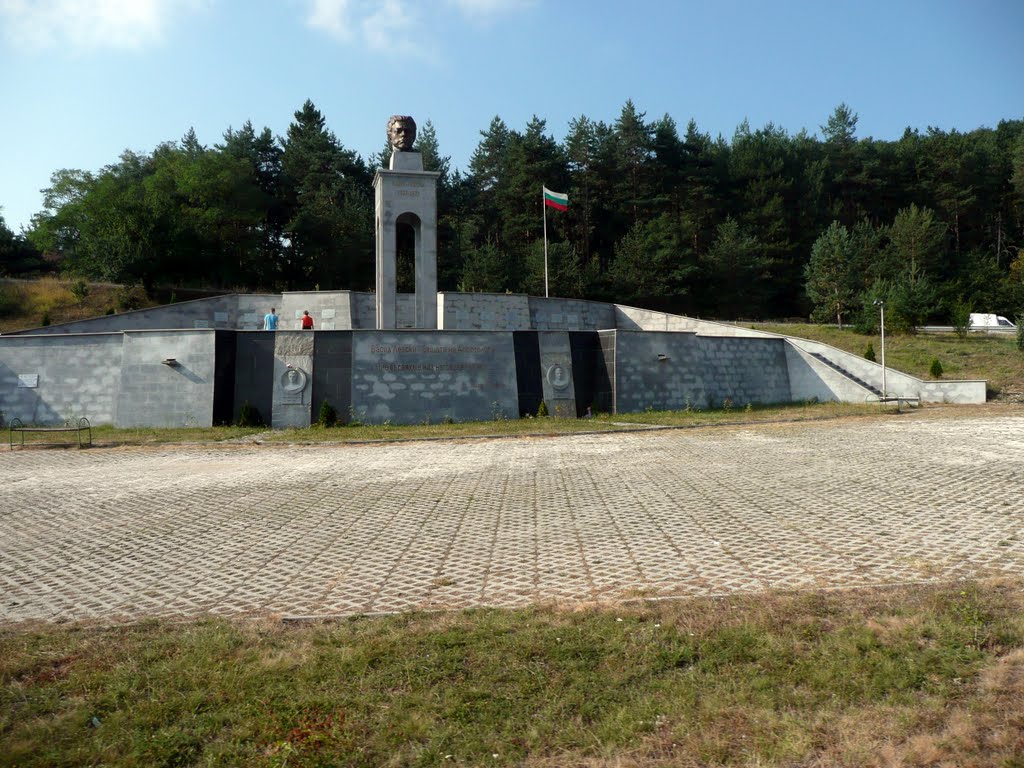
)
(131, 297)
(542, 411)
(328, 415)
(936, 369)
(46, 320)
(249, 416)
(80, 290)
(1020, 332)
(869, 353)
(960, 318)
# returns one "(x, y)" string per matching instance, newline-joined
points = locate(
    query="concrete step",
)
(852, 377)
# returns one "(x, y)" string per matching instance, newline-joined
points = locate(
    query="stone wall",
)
(413, 376)
(330, 310)
(483, 312)
(47, 380)
(154, 394)
(570, 315)
(658, 371)
(745, 370)
(235, 311)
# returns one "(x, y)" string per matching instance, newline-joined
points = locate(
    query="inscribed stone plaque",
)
(327, 314)
(28, 380)
(201, 324)
(220, 317)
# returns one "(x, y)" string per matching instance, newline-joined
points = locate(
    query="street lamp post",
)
(881, 306)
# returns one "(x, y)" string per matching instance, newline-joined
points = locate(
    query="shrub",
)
(960, 318)
(46, 319)
(80, 290)
(249, 416)
(328, 415)
(542, 410)
(1020, 332)
(936, 369)
(869, 353)
(131, 297)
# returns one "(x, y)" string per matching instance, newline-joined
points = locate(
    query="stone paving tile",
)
(328, 530)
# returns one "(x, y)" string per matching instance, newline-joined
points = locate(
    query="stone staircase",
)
(852, 377)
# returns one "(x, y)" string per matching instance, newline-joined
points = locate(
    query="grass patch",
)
(108, 435)
(910, 676)
(24, 303)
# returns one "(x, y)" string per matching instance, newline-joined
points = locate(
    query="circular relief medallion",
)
(293, 380)
(558, 376)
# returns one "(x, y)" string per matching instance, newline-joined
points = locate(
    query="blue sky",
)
(83, 80)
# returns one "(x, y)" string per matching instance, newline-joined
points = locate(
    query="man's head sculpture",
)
(401, 133)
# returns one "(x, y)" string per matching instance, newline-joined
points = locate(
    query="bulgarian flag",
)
(556, 200)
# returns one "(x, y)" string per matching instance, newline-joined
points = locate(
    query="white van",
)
(986, 322)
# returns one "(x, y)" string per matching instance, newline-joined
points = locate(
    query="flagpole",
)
(544, 205)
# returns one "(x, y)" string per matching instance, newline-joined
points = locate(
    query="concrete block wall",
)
(235, 311)
(254, 373)
(330, 310)
(73, 376)
(153, 394)
(408, 377)
(658, 370)
(332, 372)
(547, 314)
(745, 370)
(483, 312)
(364, 310)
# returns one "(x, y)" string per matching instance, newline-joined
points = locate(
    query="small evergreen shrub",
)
(869, 353)
(542, 411)
(249, 416)
(111, 311)
(46, 319)
(1020, 332)
(936, 369)
(80, 290)
(960, 318)
(131, 297)
(328, 415)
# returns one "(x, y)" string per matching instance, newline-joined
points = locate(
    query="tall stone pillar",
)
(405, 194)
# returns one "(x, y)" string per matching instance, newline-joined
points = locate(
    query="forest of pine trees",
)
(763, 225)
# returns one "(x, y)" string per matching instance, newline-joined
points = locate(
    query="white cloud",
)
(332, 16)
(392, 24)
(389, 26)
(88, 24)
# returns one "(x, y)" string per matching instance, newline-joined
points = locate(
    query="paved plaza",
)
(113, 533)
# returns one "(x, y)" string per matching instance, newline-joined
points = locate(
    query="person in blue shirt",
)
(270, 321)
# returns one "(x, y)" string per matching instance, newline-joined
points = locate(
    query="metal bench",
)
(900, 401)
(81, 428)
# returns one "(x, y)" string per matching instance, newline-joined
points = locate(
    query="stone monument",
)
(405, 195)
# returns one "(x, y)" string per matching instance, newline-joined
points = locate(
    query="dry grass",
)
(25, 303)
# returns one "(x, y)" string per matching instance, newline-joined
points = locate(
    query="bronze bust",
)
(401, 133)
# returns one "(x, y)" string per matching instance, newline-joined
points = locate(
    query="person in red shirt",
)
(307, 321)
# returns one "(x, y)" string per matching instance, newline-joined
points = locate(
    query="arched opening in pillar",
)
(406, 237)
